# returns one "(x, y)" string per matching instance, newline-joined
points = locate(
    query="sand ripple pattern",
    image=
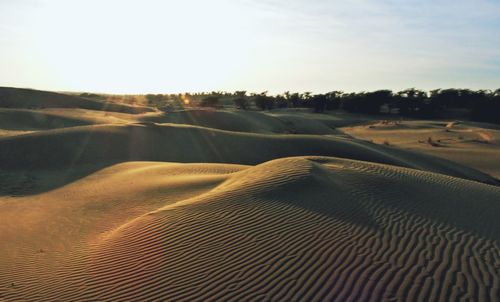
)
(301, 229)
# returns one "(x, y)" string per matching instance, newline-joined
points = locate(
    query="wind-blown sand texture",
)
(290, 229)
(187, 206)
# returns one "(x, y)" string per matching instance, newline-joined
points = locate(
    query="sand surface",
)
(475, 145)
(290, 229)
(203, 205)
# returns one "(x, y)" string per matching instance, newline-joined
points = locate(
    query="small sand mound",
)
(451, 125)
(486, 136)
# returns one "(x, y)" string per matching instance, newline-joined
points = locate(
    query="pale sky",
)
(143, 46)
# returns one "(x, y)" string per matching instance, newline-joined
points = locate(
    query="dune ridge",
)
(31, 98)
(104, 145)
(301, 228)
(256, 121)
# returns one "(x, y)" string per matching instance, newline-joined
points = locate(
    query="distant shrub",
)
(263, 102)
(431, 142)
(157, 100)
(241, 103)
(211, 101)
(92, 96)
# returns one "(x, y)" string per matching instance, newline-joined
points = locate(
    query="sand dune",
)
(30, 98)
(303, 228)
(20, 121)
(24, 119)
(15, 119)
(68, 149)
(241, 121)
(276, 121)
(314, 123)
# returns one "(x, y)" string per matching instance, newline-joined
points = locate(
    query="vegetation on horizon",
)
(479, 105)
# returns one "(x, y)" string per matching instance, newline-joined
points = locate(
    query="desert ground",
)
(111, 202)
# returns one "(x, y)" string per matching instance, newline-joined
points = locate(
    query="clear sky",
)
(141, 46)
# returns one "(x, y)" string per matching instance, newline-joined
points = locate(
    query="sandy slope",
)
(65, 149)
(15, 121)
(30, 98)
(290, 229)
(230, 120)
(476, 145)
(282, 121)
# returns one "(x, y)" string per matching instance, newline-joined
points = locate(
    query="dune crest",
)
(104, 145)
(30, 98)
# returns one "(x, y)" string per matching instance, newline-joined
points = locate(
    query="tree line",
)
(479, 105)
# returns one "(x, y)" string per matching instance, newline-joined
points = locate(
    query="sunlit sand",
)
(125, 203)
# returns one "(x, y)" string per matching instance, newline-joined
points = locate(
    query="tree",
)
(487, 108)
(410, 101)
(367, 102)
(210, 101)
(241, 100)
(446, 98)
(263, 101)
(319, 102)
(294, 99)
(333, 100)
(281, 101)
(154, 99)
